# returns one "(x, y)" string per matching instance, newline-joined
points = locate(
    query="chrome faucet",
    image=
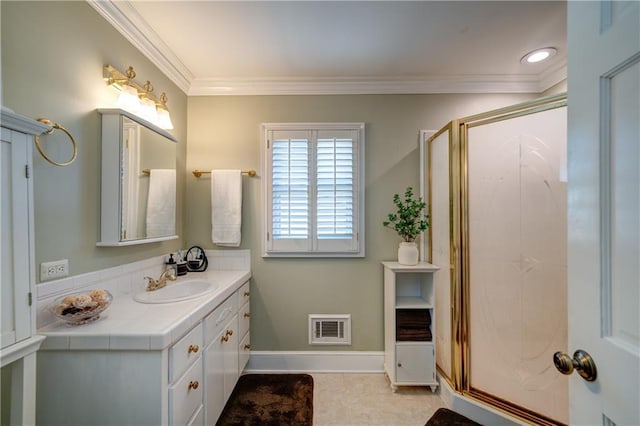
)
(153, 284)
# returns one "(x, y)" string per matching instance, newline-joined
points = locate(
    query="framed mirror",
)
(138, 191)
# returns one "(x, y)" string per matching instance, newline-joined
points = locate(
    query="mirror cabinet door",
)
(138, 181)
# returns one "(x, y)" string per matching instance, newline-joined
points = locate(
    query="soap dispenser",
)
(171, 265)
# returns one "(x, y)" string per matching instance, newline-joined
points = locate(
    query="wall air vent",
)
(329, 329)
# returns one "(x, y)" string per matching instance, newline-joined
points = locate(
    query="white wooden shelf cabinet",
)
(409, 348)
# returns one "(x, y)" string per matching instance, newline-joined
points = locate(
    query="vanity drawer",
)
(244, 352)
(216, 320)
(244, 318)
(185, 397)
(185, 352)
(244, 293)
(198, 418)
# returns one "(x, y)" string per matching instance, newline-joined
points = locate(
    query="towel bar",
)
(197, 173)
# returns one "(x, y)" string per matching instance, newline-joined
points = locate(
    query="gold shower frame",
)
(459, 246)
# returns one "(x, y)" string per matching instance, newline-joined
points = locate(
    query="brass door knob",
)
(581, 361)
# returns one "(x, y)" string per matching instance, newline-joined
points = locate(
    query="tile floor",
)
(367, 399)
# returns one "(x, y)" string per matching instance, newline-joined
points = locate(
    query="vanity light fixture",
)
(139, 99)
(164, 119)
(538, 55)
(148, 105)
(128, 99)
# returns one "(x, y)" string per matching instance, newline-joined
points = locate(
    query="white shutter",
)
(290, 220)
(335, 190)
(313, 189)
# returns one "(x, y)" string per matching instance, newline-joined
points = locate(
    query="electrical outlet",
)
(55, 269)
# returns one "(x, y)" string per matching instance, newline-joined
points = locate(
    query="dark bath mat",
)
(446, 417)
(270, 400)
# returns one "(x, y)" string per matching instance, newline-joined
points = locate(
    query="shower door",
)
(437, 161)
(497, 201)
(516, 267)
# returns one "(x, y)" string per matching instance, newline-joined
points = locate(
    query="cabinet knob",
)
(247, 293)
(193, 348)
(247, 314)
(193, 384)
(399, 364)
(225, 337)
(247, 347)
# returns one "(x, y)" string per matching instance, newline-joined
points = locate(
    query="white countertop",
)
(130, 325)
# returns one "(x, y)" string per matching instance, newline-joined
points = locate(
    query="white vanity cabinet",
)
(409, 347)
(185, 383)
(18, 338)
(221, 331)
(123, 387)
(244, 320)
(186, 377)
(226, 331)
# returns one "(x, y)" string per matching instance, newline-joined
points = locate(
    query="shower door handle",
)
(581, 361)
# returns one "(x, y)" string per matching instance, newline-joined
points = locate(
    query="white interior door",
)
(604, 208)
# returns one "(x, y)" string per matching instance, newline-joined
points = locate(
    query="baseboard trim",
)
(474, 410)
(316, 362)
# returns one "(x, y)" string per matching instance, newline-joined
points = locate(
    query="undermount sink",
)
(176, 292)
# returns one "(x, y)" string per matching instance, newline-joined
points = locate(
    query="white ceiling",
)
(294, 47)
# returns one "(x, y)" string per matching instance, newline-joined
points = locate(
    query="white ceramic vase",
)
(408, 253)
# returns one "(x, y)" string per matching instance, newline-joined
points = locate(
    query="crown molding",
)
(553, 75)
(359, 86)
(126, 20)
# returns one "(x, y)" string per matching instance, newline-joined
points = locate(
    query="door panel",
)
(603, 208)
(622, 92)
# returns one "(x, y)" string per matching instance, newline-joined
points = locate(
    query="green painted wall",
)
(224, 132)
(53, 54)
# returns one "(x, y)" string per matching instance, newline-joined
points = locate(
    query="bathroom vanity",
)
(149, 364)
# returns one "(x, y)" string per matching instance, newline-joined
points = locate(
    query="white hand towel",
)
(161, 203)
(226, 207)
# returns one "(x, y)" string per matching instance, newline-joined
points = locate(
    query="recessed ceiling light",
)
(538, 55)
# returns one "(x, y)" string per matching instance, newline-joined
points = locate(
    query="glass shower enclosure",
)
(496, 190)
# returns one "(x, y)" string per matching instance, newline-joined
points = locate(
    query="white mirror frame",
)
(110, 193)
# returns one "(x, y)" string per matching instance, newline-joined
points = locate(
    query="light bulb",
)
(164, 119)
(128, 99)
(148, 110)
(538, 55)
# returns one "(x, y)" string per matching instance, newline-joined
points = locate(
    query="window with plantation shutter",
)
(313, 187)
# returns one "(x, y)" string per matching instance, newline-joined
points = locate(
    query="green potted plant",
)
(409, 221)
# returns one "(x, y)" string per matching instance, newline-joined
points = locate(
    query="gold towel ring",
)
(53, 125)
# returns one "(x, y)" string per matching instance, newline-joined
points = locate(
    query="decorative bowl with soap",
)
(81, 308)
